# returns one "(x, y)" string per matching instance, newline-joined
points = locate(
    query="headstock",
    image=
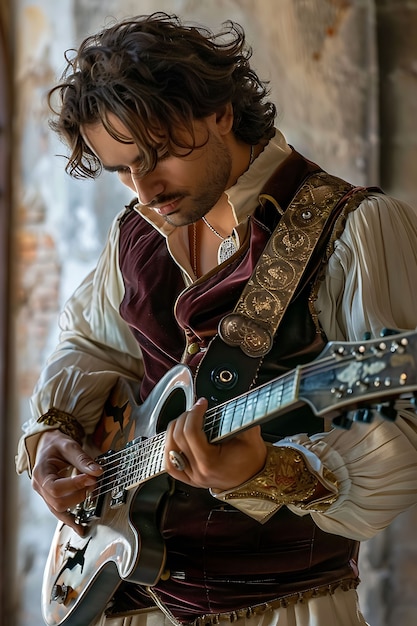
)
(352, 381)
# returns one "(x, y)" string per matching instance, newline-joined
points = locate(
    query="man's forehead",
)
(111, 151)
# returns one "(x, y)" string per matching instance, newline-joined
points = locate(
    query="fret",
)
(150, 458)
(289, 390)
(158, 459)
(248, 407)
(151, 462)
(262, 406)
(141, 460)
(159, 454)
(213, 422)
(231, 418)
(275, 397)
(140, 465)
(155, 450)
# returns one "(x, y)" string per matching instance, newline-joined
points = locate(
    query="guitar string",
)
(214, 416)
(136, 456)
(139, 453)
(113, 476)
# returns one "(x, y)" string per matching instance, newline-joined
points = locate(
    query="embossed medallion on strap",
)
(269, 291)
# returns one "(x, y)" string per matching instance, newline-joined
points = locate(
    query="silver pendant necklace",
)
(228, 246)
(231, 244)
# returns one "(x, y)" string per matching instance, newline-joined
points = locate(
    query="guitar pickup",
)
(92, 506)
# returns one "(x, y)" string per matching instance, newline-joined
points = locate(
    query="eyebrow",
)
(116, 168)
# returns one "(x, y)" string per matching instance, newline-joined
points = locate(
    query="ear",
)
(224, 119)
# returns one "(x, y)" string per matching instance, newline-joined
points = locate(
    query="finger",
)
(188, 428)
(178, 460)
(70, 486)
(189, 438)
(176, 440)
(80, 460)
(194, 438)
(175, 460)
(62, 494)
(58, 450)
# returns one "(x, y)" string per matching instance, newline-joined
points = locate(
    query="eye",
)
(138, 169)
(122, 171)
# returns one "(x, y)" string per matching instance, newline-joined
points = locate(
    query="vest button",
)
(193, 348)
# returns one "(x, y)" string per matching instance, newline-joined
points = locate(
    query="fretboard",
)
(250, 408)
(141, 460)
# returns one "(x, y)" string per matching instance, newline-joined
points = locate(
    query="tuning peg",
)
(366, 335)
(387, 411)
(386, 332)
(363, 415)
(342, 421)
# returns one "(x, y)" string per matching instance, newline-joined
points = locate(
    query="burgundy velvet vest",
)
(220, 559)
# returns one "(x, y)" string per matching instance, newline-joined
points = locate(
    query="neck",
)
(221, 217)
(243, 155)
(219, 223)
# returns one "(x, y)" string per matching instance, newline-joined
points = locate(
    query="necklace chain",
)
(227, 248)
(213, 230)
(251, 156)
(229, 244)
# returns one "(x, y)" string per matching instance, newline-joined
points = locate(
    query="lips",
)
(167, 209)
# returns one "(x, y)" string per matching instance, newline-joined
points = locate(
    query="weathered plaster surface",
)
(320, 57)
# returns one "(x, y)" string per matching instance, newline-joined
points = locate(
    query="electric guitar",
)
(348, 382)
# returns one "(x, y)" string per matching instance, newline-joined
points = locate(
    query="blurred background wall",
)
(343, 74)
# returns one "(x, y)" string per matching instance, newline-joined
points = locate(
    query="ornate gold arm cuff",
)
(286, 479)
(66, 423)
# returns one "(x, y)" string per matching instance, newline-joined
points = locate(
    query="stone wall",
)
(336, 68)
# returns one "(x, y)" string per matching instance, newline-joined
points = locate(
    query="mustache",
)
(162, 200)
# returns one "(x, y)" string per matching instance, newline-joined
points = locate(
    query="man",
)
(262, 527)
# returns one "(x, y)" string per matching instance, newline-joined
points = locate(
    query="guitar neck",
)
(254, 407)
(141, 460)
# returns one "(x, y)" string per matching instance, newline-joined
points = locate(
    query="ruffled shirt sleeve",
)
(96, 348)
(370, 284)
(376, 470)
(370, 281)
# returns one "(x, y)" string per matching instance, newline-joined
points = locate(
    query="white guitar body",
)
(112, 549)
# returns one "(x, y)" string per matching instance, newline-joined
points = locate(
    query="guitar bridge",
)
(91, 507)
(88, 510)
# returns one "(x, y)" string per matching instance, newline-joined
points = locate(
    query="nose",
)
(146, 187)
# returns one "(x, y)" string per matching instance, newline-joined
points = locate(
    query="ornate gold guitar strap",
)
(270, 289)
(307, 221)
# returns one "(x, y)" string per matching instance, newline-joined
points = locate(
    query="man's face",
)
(181, 188)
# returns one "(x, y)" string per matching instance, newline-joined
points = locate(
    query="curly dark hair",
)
(157, 74)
